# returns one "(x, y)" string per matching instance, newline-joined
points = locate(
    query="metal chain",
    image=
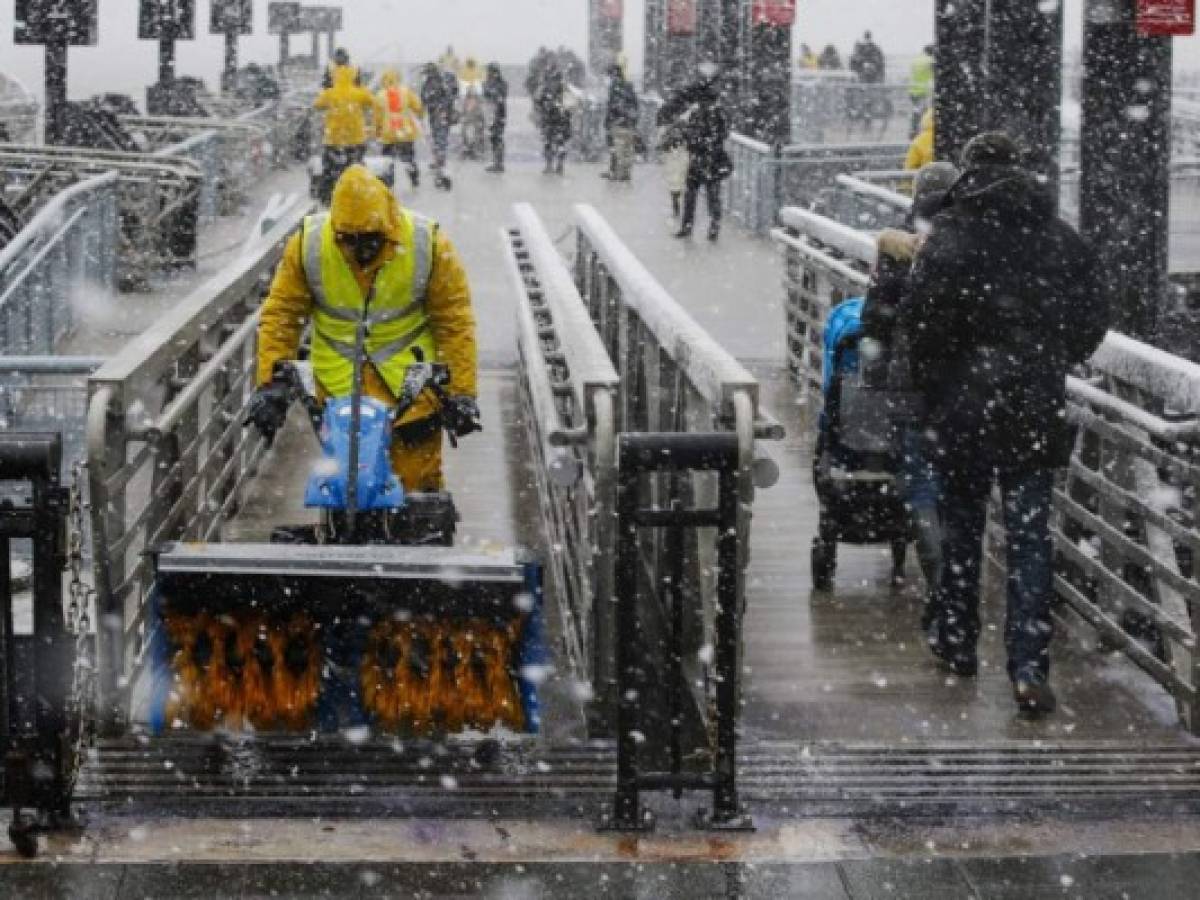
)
(81, 720)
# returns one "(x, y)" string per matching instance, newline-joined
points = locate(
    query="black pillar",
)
(679, 60)
(654, 46)
(770, 73)
(56, 91)
(166, 53)
(606, 37)
(1023, 95)
(316, 49)
(1125, 149)
(229, 76)
(330, 43)
(285, 50)
(734, 16)
(708, 28)
(960, 110)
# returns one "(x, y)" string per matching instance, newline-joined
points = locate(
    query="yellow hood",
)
(363, 204)
(927, 120)
(389, 79)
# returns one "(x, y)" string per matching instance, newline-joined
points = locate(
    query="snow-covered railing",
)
(167, 454)
(674, 378)
(64, 255)
(48, 393)
(569, 393)
(766, 179)
(1126, 521)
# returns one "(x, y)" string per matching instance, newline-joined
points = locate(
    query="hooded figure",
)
(402, 115)
(920, 151)
(1003, 302)
(889, 289)
(368, 251)
(347, 106)
(704, 130)
(495, 96)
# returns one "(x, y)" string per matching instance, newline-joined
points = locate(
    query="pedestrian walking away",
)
(1003, 301)
(620, 124)
(495, 98)
(352, 113)
(704, 132)
(916, 476)
(403, 112)
(553, 117)
(439, 104)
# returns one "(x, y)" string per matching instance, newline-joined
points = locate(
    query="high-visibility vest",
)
(402, 125)
(394, 313)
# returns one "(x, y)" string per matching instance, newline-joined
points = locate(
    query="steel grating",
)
(331, 776)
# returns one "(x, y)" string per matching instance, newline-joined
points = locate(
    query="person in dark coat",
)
(705, 130)
(553, 117)
(620, 124)
(1004, 300)
(495, 96)
(867, 62)
(439, 105)
(889, 289)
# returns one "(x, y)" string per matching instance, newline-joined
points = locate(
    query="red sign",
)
(1166, 18)
(612, 9)
(681, 17)
(780, 13)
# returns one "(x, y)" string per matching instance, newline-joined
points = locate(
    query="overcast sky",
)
(415, 30)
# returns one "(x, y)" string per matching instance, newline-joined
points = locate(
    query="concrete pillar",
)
(960, 109)
(1024, 79)
(1125, 180)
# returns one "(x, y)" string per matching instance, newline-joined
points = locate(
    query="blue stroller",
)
(855, 463)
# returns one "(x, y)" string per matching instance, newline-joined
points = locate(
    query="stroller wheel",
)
(824, 563)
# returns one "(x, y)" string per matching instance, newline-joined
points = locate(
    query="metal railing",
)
(766, 179)
(570, 393)
(167, 453)
(1125, 526)
(158, 198)
(836, 106)
(863, 204)
(66, 253)
(674, 378)
(48, 393)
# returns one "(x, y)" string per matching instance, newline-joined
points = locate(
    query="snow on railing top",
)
(710, 368)
(848, 241)
(50, 216)
(875, 192)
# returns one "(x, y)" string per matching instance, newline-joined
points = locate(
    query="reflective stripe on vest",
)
(395, 314)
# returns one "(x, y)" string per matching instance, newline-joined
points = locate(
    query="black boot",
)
(714, 230)
(676, 202)
(414, 175)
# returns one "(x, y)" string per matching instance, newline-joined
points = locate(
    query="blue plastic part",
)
(845, 320)
(159, 655)
(533, 649)
(378, 487)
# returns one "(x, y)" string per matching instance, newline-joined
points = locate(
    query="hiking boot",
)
(714, 231)
(495, 167)
(1034, 696)
(685, 232)
(963, 663)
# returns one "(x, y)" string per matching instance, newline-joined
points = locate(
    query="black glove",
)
(268, 409)
(461, 415)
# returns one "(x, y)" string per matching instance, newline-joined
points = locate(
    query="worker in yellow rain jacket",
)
(368, 256)
(402, 115)
(920, 151)
(347, 106)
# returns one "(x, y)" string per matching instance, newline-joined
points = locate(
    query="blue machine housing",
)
(378, 487)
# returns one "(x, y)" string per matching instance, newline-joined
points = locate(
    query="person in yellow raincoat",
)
(347, 106)
(402, 115)
(368, 256)
(920, 151)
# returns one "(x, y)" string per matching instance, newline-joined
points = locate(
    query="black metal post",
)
(316, 49)
(285, 50)
(770, 74)
(1125, 149)
(229, 76)
(654, 40)
(732, 57)
(627, 811)
(1023, 93)
(640, 454)
(166, 52)
(56, 91)
(8, 650)
(330, 43)
(960, 105)
(726, 807)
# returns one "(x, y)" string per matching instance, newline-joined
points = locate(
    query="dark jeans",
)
(1028, 629)
(335, 161)
(496, 136)
(712, 191)
(440, 137)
